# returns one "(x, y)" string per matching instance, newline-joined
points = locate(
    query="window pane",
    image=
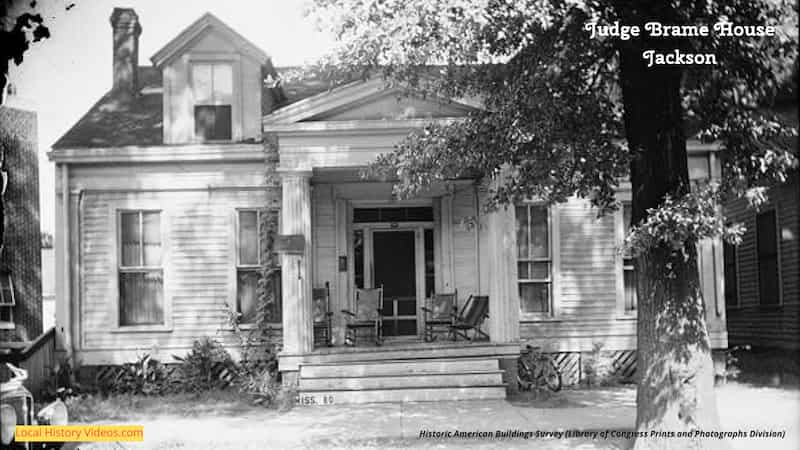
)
(540, 271)
(768, 281)
(5, 314)
(141, 298)
(430, 270)
(765, 228)
(129, 233)
(539, 235)
(248, 237)
(630, 290)
(626, 223)
(6, 290)
(524, 270)
(534, 297)
(223, 83)
(151, 239)
(201, 80)
(731, 284)
(522, 232)
(247, 295)
(358, 258)
(212, 122)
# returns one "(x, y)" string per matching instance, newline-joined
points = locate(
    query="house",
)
(20, 261)
(763, 272)
(162, 184)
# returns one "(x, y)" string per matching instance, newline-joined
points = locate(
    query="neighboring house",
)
(20, 261)
(161, 185)
(762, 274)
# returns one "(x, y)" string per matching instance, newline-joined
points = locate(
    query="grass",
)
(95, 407)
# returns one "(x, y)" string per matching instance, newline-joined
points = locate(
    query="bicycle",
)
(535, 369)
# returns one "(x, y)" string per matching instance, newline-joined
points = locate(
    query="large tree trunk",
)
(675, 368)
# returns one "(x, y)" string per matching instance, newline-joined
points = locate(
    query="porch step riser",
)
(403, 381)
(398, 368)
(402, 395)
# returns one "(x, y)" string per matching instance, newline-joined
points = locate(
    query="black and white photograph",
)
(399, 224)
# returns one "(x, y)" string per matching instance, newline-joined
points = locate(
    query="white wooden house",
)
(160, 184)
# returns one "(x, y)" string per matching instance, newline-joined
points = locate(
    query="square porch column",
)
(298, 329)
(503, 294)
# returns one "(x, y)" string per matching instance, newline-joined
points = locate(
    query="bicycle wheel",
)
(551, 375)
(525, 376)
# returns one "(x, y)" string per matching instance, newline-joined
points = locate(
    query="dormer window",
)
(213, 97)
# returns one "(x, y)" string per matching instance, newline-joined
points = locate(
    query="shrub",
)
(146, 376)
(207, 366)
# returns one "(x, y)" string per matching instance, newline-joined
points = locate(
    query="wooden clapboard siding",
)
(198, 203)
(323, 237)
(748, 321)
(464, 259)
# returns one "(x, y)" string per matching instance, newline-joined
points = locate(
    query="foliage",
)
(20, 26)
(207, 366)
(146, 376)
(552, 113)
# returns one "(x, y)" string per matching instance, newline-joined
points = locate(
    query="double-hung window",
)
(767, 251)
(213, 99)
(249, 266)
(7, 301)
(534, 259)
(628, 267)
(141, 274)
(731, 274)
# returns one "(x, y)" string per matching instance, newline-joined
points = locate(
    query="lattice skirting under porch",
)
(589, 367)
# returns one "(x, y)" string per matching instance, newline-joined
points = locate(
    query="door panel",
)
(394, 268)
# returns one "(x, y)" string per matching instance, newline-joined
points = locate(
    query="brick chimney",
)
(126, 31)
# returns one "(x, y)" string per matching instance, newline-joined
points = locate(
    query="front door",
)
(394, 268)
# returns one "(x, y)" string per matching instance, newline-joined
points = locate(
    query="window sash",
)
(212, 83)
(6, 314)
(247, 262)
(534, 259)
(141, 301)
(767, 254)
(247, 305)
(147, 252)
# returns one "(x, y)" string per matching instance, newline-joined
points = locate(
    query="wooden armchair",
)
(438, 314)
(367, 315)
(320, 298)
(471, 317)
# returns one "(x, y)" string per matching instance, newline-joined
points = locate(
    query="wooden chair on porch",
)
(367, 315)
(471, 317)
(320, 298)
(438, 314)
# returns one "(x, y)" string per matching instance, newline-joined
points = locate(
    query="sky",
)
(62, 77)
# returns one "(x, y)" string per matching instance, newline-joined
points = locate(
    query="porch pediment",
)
(369, 100)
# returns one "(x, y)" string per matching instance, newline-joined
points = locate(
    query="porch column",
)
(298, 330)
(503, 295)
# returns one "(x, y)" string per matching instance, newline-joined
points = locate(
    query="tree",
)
(556, 103)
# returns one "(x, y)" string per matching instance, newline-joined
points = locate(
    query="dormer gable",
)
(212, 84)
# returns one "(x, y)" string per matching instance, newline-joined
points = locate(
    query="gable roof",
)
(196, 30)
(115, 121)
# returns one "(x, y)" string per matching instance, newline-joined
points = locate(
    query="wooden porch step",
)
(423, 394)
(397, 367)
(451, 380)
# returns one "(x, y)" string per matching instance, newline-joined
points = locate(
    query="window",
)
(731, 274)
(213, 97)
(249, 266)
(6, 298)
(534, 259)
(628, 267)
(767, 250)
(141, 276)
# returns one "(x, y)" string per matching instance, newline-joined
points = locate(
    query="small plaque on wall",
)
(343, 263)
(290, 243)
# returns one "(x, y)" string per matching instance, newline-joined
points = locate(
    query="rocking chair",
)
(367, 315)
(320, 298)
(471, 317)
(438, 314)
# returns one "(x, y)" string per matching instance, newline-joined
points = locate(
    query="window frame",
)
(235, 267)
(116, 219)
(8, 324)
(234, 98)
(777, 234)
(554, 260)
